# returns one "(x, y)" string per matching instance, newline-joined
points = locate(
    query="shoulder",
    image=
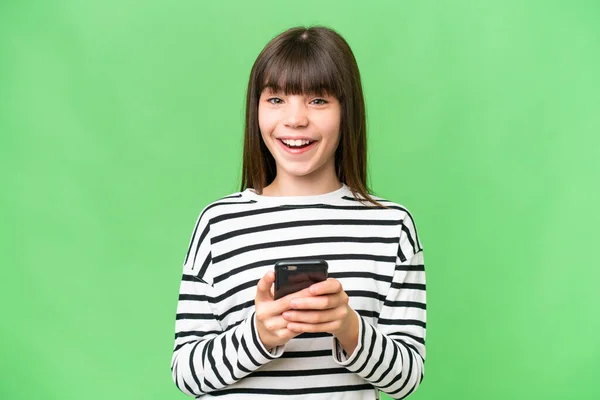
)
(397, 210)
(409, 234)
(224, 205)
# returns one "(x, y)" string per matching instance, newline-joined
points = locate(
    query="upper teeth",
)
(295, 142)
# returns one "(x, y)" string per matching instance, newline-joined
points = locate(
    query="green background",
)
(120, 120)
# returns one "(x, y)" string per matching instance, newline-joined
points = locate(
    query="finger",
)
(263, 288)
(323, 302)
(324, 327)
(286, 334)
(276, 323)
(283, 304)
(315, 317)
(329, 286)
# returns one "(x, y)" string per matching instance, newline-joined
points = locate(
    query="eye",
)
(319, 102)
(275, 100)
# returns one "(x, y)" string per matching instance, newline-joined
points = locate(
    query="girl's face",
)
(301, 132)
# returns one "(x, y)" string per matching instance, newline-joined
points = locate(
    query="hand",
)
(271, 326)
(325, 309)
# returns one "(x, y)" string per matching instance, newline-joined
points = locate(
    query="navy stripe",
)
(397, 377)
(326, 257)
(362, 347)
(306, 354)
(213, 364)
(299, 373)
(368, 313)
(401, 322)
(196, 333)
(413, 337)
(410, 267)
(391, 365)
(288, 392)
(256, 340)
(405, 285)
(410, 239)
(410, 346)
(242, 368)
(284, 208)
(198, 223)
(407, 304)
(204, 351)
(226, 360)
(239, 307)
(365, 293)
(192, 369)
(194, 316)
(303, 241)
(245, 347)
(373, 340)
(408, 375)
(204, 267)
(191, 297)
(384, 341)
(360, 274)
(297, 224)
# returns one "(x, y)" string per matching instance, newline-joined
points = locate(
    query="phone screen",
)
(294, 275)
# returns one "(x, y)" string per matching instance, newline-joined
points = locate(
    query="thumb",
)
(263, 288)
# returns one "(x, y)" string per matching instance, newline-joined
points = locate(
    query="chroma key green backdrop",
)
(120, 120)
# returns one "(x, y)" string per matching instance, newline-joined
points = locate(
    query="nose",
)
(295, 115)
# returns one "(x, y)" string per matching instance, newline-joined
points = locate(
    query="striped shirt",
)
(376, 255)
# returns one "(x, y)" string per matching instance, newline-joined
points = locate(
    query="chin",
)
(299, 171)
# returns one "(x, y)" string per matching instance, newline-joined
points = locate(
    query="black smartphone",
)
(294, 275)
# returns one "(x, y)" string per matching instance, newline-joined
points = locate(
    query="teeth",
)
(296, 143)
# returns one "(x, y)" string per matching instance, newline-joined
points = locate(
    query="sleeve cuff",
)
(340, 356)
(256, 347)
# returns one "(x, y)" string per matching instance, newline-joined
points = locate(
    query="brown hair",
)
(309, 60)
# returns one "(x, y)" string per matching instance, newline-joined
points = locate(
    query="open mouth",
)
(296, 144)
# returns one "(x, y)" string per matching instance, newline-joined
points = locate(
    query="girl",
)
(303, 196)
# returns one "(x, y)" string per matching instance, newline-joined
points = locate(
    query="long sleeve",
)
(207, 358)
(391, 354)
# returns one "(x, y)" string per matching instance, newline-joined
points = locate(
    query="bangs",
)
(301, 68)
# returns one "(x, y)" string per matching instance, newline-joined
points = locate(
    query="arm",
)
(391, 355)
(206, 358)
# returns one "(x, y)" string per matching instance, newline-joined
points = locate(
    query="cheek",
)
(331, 129)
(266, 122)
(261, 121)
(330, 122)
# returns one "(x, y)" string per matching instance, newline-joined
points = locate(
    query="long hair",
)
(309, 60)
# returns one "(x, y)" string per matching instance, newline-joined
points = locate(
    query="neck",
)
(310, 185)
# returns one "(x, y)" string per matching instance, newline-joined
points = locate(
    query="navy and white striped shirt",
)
(376, 255)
